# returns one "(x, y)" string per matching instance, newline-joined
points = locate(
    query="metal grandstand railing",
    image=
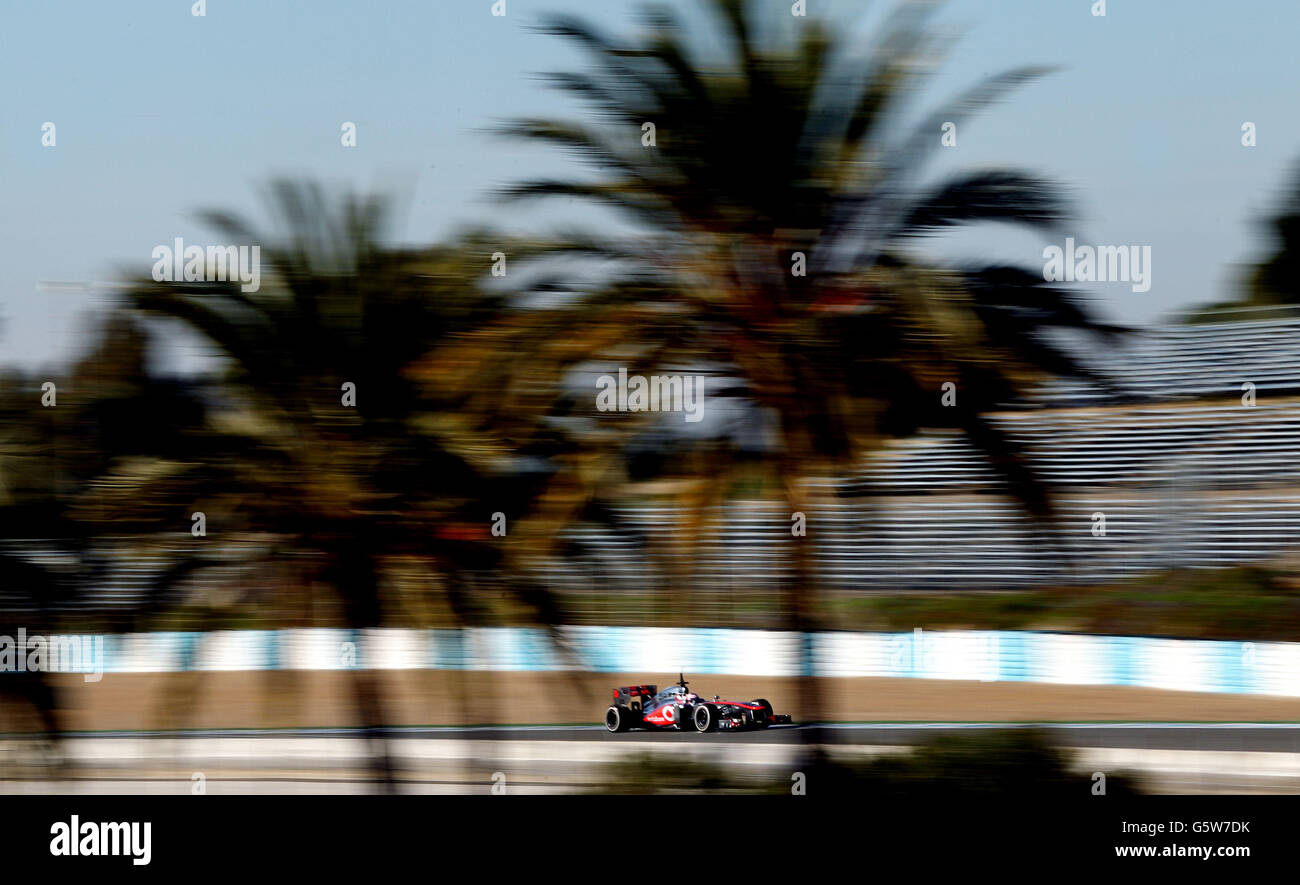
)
(1205, 360)
(1187, 476)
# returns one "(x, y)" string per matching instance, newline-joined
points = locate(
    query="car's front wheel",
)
(617, 719)
(706, 718)
(764, 717)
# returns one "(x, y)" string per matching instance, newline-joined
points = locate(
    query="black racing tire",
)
(706, 718)
(617, 719)
(766, 719)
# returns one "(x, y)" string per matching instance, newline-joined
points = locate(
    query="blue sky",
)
(160, 114)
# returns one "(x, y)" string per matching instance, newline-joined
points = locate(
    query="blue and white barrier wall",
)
(991, 656)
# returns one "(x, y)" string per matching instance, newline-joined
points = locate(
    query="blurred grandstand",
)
(1186, 474)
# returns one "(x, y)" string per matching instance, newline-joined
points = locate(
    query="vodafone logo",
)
(670, 713)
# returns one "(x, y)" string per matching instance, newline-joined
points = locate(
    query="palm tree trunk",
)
(477, 689)
(800, 606)
(358, 579)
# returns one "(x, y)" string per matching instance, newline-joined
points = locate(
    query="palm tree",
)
(1277, 279)
(1273, 285)
(333, 442)
(774, 214)
(66, 437)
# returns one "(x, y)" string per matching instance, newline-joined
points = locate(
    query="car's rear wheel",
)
(764, 718)
(706, 718)
(617, 719)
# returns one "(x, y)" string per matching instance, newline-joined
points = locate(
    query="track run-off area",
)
(1170, 757)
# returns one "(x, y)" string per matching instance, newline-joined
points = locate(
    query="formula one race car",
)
(640, 706)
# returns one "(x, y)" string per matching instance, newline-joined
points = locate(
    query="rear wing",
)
(634, 696)
(635, 691)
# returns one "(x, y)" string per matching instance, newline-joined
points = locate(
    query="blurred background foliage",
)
(465, 408)
(473, 404)
(1019, 763)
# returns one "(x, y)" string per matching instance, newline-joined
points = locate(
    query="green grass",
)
(1248, 602)
(1237, 603)
(1255, 602)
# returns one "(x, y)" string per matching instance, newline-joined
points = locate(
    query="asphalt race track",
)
(1172, 757)
(1257, 737)
(1245, 736)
